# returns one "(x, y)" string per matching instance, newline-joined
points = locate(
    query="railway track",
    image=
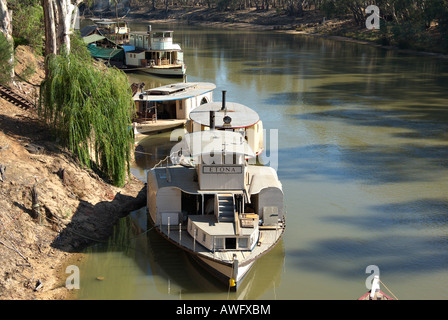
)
(9, 95)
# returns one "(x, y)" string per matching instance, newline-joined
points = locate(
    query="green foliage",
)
(90, 111)
(5, 59)
(28, 24)
(78, 47)
(408, 24)
(333, 8)
(223, 5)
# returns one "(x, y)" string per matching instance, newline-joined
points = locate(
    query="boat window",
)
(243, 243)
(230, 243)
(230, 158)
(219, 243)
(204, 237)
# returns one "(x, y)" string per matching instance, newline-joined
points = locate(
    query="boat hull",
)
(378, 296)
(160, 71)
(149, 127)
(172, 72)
(225, 272)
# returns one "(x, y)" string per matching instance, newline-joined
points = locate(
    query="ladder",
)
(226, 207)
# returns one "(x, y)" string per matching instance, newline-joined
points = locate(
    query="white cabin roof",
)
(241, 115)
(183, 178)
(101, 21)
(176, 177)
(217, 141)
(263, 177)
(177, 91)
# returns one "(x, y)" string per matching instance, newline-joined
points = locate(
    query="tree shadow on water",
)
(94, 223)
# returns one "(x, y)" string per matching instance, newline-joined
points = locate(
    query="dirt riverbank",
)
(245, 18)
(312, 23)
(72, 206)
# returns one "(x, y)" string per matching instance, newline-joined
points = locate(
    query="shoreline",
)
(51, 207)
(252, 19)
(77, 206)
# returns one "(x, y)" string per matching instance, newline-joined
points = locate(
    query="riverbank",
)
(312, 23)
(51, 207)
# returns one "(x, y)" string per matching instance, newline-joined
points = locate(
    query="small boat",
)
(168, 107)
(150, 52)
(375, 293)
(104, 50)
(105, 41)
(212, 204)
(229, 116)
(116, 30)
(154, 52)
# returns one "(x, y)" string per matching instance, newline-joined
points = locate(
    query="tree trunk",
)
(6, 29)
(59, 18)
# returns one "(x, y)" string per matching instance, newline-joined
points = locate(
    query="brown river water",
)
(359, 138)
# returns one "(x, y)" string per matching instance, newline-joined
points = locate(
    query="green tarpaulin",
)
(106, 53)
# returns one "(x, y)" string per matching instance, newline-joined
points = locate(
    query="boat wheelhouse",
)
(116, 30)
(168, 107)
(211, 203)
(229, 116)
(154, 52)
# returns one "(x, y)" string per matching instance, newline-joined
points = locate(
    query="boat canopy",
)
(178, 91)
(264, 177)
(88, 30)
(93, 38)
(106, 53)
(240, 115)
(217, 141)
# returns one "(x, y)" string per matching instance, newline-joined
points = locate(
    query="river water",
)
(359, 137)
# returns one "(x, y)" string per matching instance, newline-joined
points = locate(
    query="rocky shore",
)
(51, 207)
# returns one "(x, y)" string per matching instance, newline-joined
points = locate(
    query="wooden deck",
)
(268, 238)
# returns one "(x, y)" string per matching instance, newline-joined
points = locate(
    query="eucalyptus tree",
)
(59, 18)
(7, 51)
(87, 105)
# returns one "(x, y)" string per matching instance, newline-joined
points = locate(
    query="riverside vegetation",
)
(406, 24)
(72, 207)
(73, 203)
(65, 166)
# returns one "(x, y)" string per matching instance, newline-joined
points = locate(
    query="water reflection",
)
(149, 151)
(363, 140)
(137, 263)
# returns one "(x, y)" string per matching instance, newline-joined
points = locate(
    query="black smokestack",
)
(223, 100)
(212, 119)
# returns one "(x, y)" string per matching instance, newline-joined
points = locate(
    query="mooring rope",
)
(388, 289)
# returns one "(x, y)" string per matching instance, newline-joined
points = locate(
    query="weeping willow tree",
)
(90, 110)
